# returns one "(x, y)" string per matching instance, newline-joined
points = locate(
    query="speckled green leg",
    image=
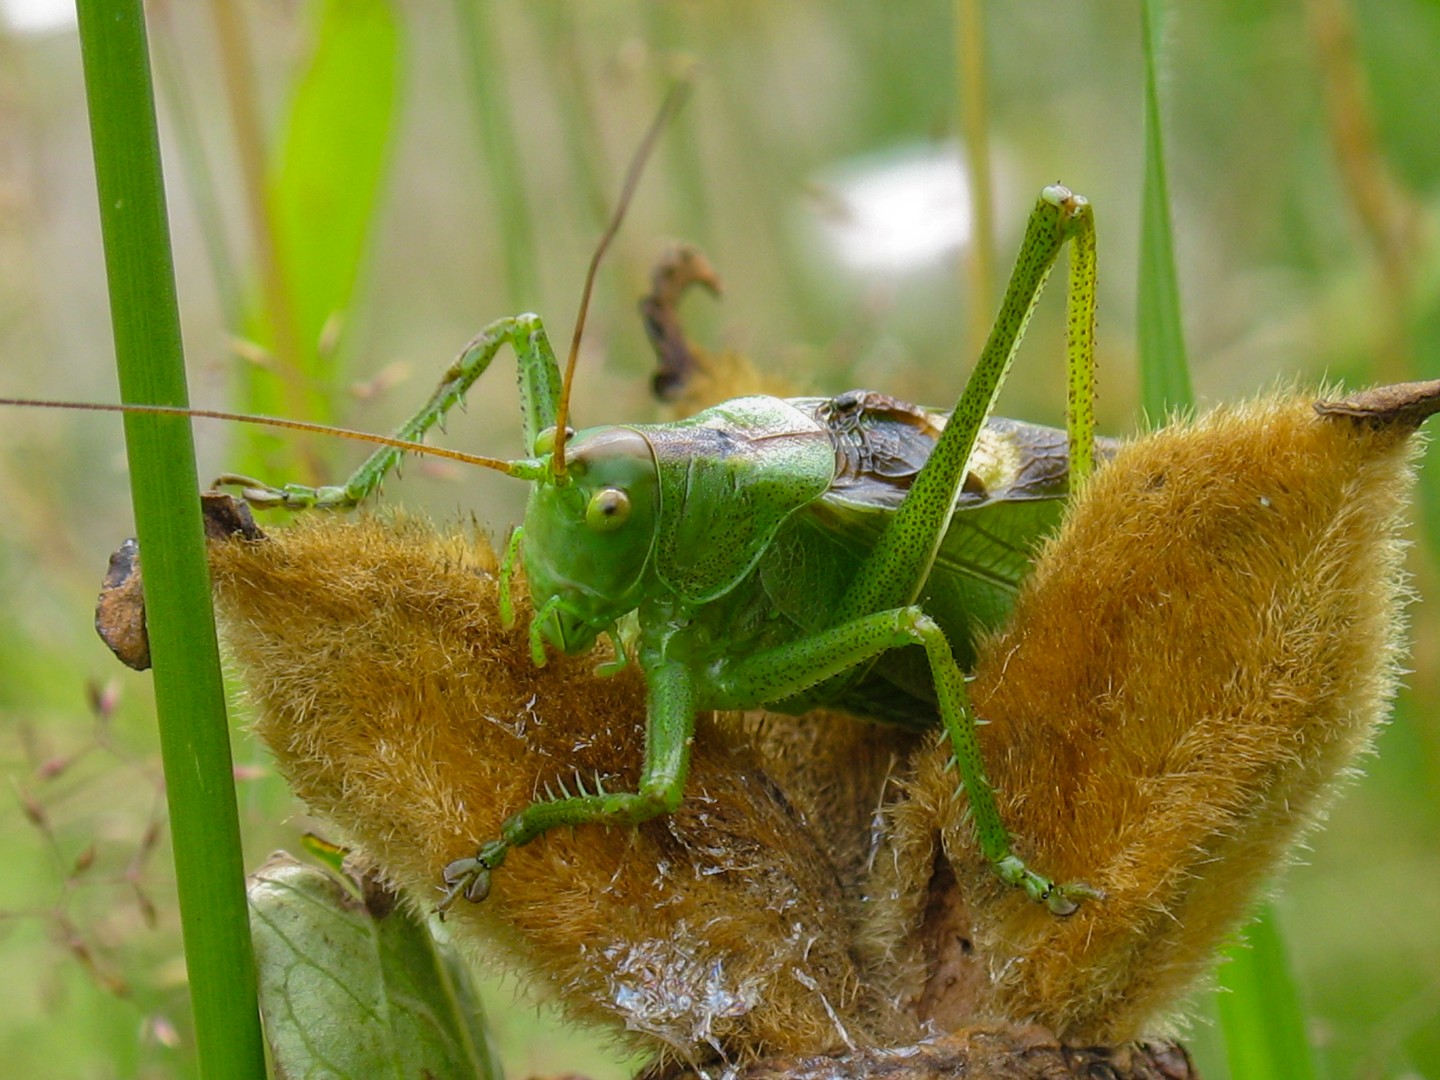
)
(896, 569)
(789, 670)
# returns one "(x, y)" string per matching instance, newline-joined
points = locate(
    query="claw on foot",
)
(470, 878)
(1062, 900)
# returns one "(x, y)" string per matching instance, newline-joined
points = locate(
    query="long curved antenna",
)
(671, 105)
(509, 468)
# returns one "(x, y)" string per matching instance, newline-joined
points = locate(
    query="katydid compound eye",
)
(609, 508)
(545, 441)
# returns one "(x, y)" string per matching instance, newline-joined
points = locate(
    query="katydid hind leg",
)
(539, 378)
(791, 670)
(895, 570)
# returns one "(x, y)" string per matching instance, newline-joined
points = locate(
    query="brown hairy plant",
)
(1201, 653)
(1199, 656)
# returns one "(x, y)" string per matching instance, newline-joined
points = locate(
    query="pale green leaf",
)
(352, 985)
(327, 184)
(1260, 1008)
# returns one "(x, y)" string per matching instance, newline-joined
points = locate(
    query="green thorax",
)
(729, 478)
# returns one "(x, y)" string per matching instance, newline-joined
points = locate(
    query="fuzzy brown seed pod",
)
(1201, 653)
(400, 709)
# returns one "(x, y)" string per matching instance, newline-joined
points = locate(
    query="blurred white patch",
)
(897, 212)
(37, 16)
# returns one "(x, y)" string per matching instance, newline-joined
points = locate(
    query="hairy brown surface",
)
(1202, 652)
(400, 709)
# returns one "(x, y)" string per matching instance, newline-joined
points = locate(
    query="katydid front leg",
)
(539, 377)
(670, 726)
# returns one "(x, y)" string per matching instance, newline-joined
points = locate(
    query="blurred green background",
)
(425, 167)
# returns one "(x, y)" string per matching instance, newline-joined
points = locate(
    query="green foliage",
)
(1281, 282)
(1261, 1011)
(327, 182)
(189, 697)
(1164, 372)
(324, 191)
(353, 985)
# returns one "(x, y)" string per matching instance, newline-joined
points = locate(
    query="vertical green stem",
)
(970, 60)
(555, 23)
(199, 177)
(1164, 372)
(501, 147)
(194, 737)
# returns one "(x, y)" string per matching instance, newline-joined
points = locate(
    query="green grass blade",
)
(194, 737)
(175, 93)
(326, 188)
(322, 194)
(500, 146)
(1260, 1011)
(1164, 371)
(1260, 1008)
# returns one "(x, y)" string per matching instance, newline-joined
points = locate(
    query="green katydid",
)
(754, 576)
(771, 551)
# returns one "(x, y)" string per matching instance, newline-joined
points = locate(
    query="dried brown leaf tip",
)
(1201, 653)
(687, 376)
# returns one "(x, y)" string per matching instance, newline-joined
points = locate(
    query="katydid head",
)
(589, 537)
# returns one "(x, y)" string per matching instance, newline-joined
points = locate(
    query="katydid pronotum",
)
(746, 567)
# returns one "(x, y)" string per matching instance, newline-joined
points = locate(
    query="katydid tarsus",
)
(730, 539)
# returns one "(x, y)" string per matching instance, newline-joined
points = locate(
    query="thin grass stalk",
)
(975, 116)
(199, 177)
(501, 149)
(189, 698)
(684, 156)
(582, 140)
(1164, 372)
(240, 94)
(1260, 1013)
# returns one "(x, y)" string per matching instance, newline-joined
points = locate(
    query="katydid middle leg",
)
(539, 378)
